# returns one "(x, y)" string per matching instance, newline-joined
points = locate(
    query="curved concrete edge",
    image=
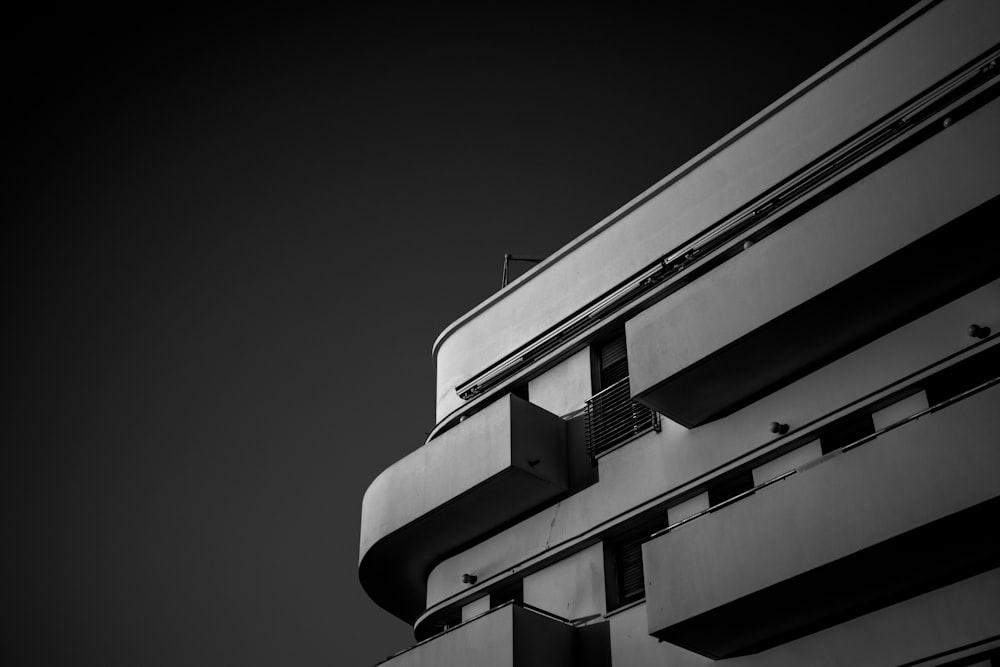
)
(927, 44)
(678, 173)
(505, 461)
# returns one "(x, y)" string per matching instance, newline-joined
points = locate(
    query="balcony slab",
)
(883, 252)
(505, 460)
(898, 516)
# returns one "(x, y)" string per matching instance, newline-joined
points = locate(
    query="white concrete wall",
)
(486, 642)
(506, 637)
(688, 508)
(505, 434)
(632, 646)
(937, 622)
(900, 410)
(563, 388)
(822, 112)
(475, 608)
(911, 476)
(572, 588)
(657, 463)
(807, 453)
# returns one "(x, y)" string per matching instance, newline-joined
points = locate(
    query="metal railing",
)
(810, 180)
(612, 418)
(837, 452)
(572, 622)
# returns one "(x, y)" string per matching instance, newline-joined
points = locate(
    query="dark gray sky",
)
(235, 237)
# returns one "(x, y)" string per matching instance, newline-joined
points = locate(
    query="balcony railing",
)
(811, 180)
(526, 624)
(837, 452)
(612, 418)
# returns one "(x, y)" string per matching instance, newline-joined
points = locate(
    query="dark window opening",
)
(625, 580)
(449, 620)
(512, 592)
(611, 416)
(964, 376)
(520, 390)
(612, 362)
(631, 579)
(845, 431)
(729, 487)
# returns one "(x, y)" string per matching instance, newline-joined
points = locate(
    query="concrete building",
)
(752, 417)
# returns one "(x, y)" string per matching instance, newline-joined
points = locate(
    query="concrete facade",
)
(812, 308)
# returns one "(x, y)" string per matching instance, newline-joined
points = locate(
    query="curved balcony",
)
(903, 514)
(505, 460)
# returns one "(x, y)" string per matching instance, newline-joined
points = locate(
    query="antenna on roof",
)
(508, 258)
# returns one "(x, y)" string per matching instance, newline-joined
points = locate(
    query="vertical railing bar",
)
(612, 417)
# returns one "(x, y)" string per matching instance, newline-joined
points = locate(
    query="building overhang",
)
(502, 462)
(859, 531)
(881, 253)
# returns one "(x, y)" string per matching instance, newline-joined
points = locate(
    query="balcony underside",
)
(909, 512)
(394, 571)
(926, 274)
(922, 560)
(892, 246)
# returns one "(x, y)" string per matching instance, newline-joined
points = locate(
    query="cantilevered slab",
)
(503, 461)
(884, 251)
(908, 512)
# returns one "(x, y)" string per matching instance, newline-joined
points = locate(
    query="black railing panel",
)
(612, 417)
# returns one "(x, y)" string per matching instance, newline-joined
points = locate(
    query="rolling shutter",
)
(614, 364)
(633, 586)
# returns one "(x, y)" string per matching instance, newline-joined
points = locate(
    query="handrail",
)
(846, 448)
(536, 610)
(724, 503)
(798, 187)
(661, 500)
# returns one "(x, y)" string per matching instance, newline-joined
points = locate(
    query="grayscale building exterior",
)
(752, 417)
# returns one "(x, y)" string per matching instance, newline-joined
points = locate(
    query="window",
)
(632, 584)
(624, 577)
(510, 592)
(845, 431)
(964, 376)
(729, 487)
(625, 580)
(612, 362)
(612, 417)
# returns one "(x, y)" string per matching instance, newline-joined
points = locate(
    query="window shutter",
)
(633, 585)
(614, 364)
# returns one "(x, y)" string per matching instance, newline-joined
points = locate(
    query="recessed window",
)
(511, 592)
(964, 376)
(612, 361)
(846, 431)
(632, 577)
(625, 579)
(730, 487)
(612, 417)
